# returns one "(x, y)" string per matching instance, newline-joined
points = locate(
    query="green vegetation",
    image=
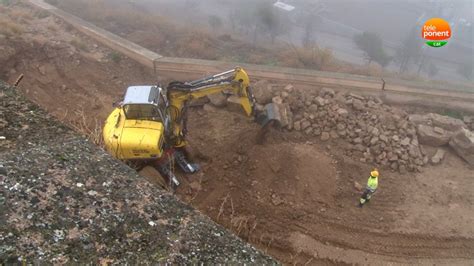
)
(5, 2)
(452, 113)
(115, 57)
(42, 14)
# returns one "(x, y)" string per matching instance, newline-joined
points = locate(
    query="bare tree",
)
(372, 45)
(410, 50)
(310, 18)
(431, 69)
(270, 21)
(466, 70)
(215, 22)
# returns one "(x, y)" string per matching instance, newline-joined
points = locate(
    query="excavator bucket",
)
(271, 114)
(270, 117)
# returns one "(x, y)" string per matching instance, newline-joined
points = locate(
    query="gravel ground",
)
(64, 200)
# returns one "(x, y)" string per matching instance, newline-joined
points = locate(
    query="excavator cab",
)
(145, 103)
(136, 129)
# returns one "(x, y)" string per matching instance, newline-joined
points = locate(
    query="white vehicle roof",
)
(142, 95)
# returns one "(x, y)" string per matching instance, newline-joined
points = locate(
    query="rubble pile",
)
(437, 130)
(373, 131)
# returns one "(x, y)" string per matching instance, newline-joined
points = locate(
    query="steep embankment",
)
(65, 200)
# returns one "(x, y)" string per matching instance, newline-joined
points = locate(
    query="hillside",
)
(65, 200)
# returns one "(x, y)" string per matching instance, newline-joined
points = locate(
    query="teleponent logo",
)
(436, 31)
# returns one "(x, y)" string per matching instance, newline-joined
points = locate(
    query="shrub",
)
(5, 2)
(79, 44)
(42, 14)
(115, 57)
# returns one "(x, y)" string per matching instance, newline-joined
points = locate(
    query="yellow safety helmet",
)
(374, 173)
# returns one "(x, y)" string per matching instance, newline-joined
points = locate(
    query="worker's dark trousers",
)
(366, 195)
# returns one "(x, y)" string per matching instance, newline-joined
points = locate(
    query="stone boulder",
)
(263, 92)
(327, 92)
(433, 136)
(358, 105)
(446, 122)
(420, 119)
(463, 143)
(438, 157)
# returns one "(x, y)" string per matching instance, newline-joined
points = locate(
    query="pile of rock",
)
(437, 130)
(374, 132)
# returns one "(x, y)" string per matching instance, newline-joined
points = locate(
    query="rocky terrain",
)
(371, 131)
(64, 200)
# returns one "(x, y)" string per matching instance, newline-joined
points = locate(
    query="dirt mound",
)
(298, 188)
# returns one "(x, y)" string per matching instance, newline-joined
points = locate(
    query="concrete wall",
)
(392, 90)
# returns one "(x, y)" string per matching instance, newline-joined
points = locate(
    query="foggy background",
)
(334, 24)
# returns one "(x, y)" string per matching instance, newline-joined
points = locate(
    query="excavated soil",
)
(297, 198)
(294, 196)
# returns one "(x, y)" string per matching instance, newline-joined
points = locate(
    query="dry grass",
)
(53, 28)
(312, 57)
(79, 122)
(9, 28)
(158, 34)
(79, 44)
(242, 225)
(154, 32)
(21, 14)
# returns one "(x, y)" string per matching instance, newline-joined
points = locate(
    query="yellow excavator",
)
(148, 127)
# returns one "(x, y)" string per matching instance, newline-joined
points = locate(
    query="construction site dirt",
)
(294, 196)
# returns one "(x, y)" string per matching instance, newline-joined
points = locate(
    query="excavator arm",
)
(179, 94)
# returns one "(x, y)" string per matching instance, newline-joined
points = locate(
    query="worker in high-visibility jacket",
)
(372, 185)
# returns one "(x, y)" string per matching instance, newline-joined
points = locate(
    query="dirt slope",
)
(296, 198)
(67, 74)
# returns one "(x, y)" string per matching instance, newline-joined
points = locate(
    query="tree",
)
(257, 18)
(372, 45)
(270, 21)
(432, 69)
(215, 22)
(310, 18)
(466, 70)
(410, 50)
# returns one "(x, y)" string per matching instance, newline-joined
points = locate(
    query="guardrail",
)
(391, 90)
